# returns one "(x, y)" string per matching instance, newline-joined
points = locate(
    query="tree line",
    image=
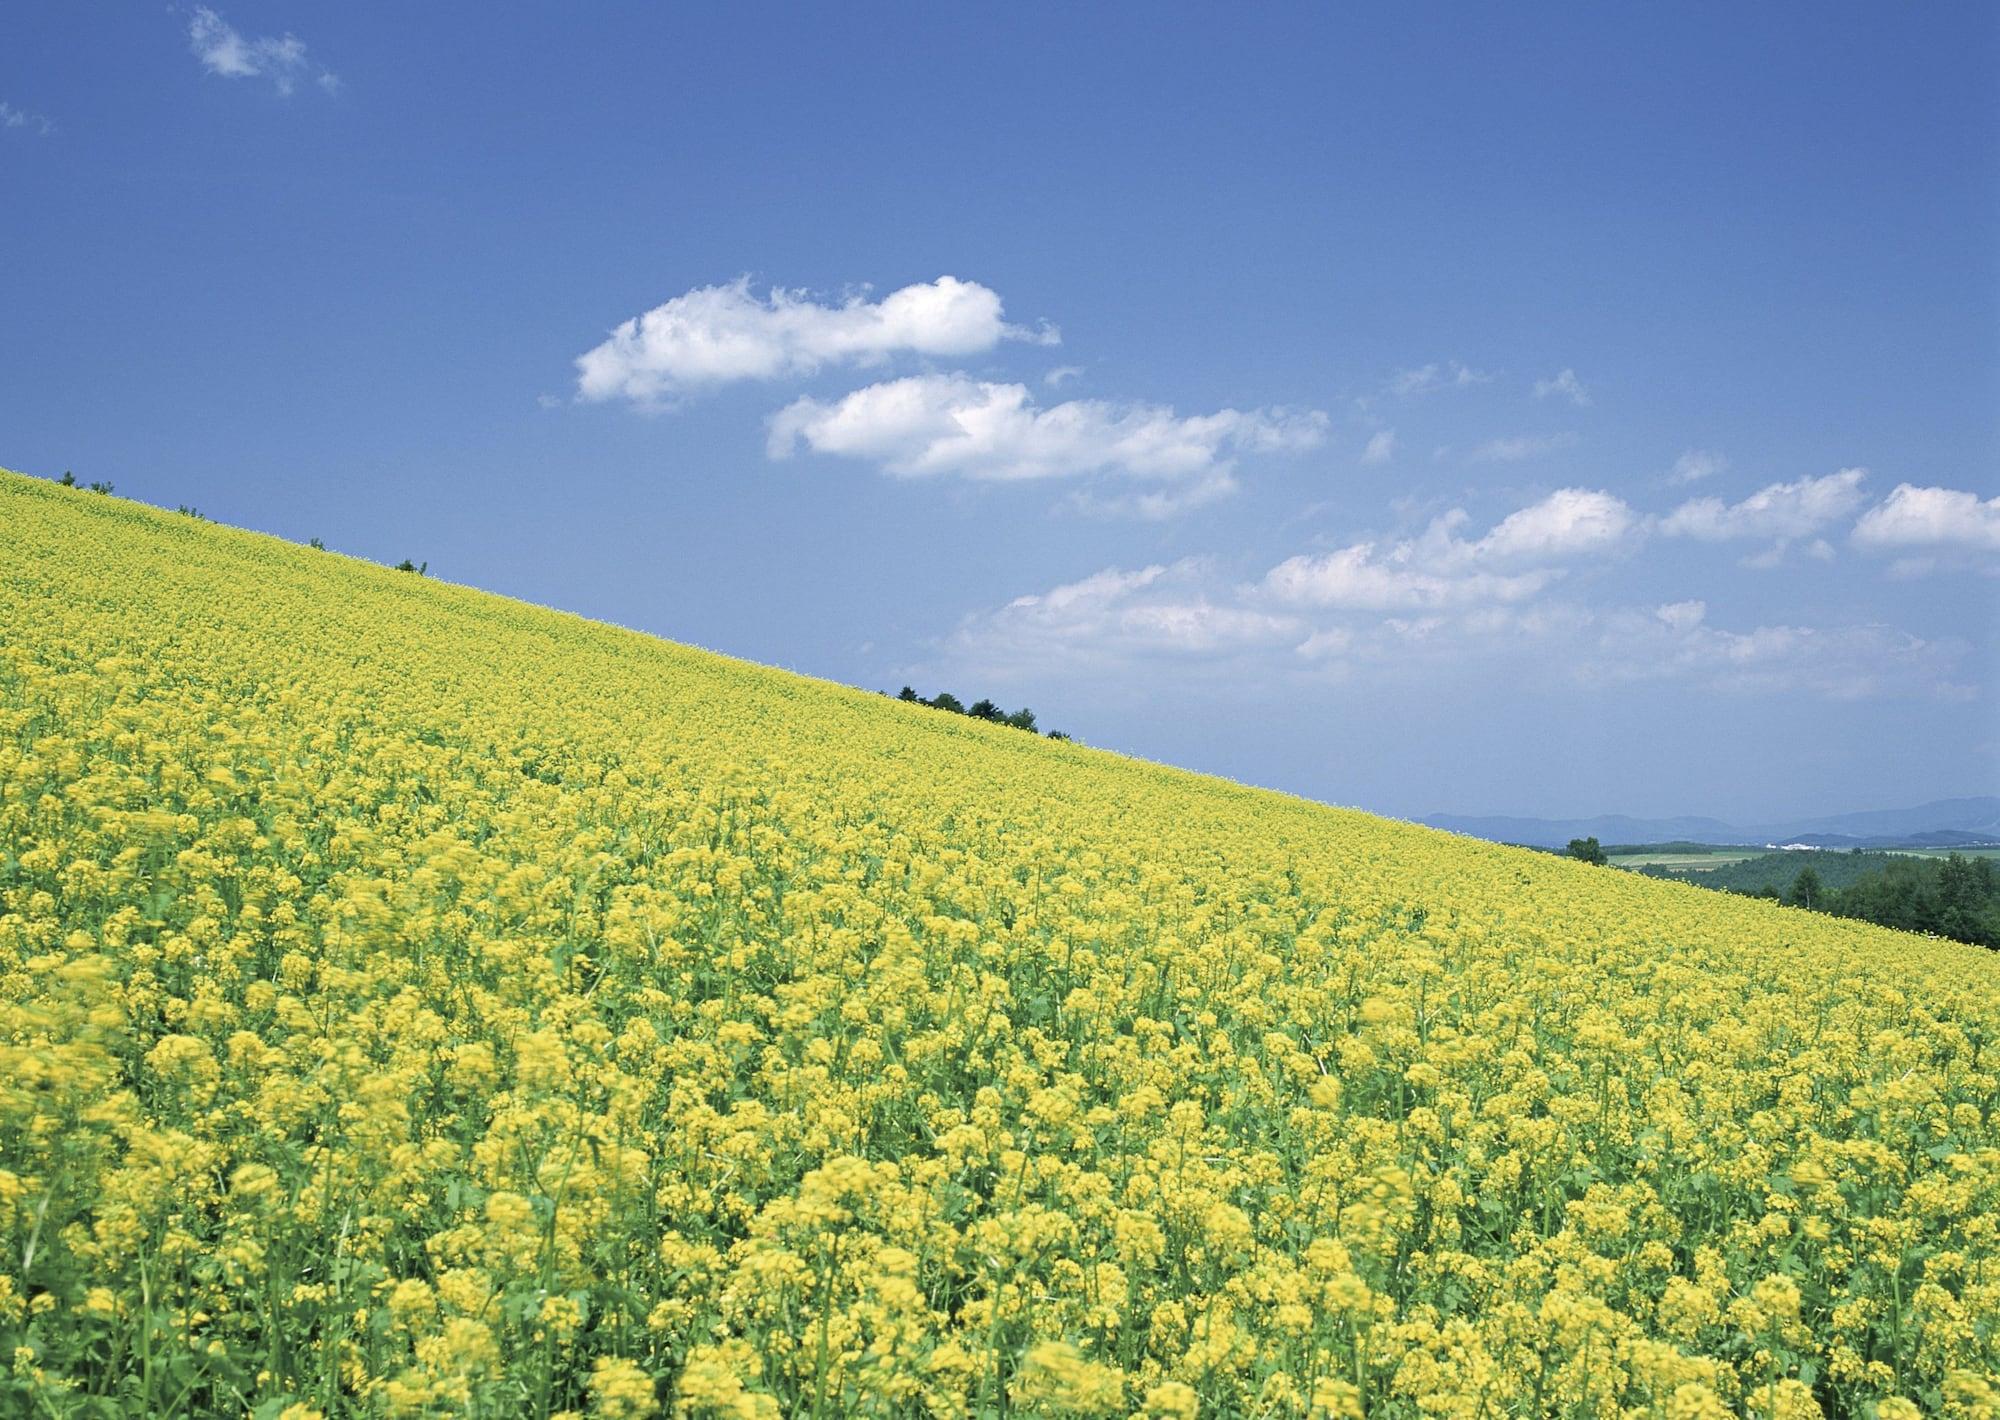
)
(1022, 719)
(1955, 897)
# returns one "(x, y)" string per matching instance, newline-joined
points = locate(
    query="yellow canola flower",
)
(413, 1002)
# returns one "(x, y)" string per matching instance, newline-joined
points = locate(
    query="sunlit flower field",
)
(417, 1003)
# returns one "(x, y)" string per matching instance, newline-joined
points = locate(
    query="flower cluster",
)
(415, 1003)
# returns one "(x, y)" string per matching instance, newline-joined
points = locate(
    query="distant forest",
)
(1022, 719)
(1956, 897)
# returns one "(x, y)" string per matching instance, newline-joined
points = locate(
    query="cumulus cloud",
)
(1570, 522)
(1381, 447)
(955, 426)
(1784, 513)
(1695, 465)
(1518, 447)
(1426, 379)
(714, 335)
(1932, 527)
(11, 118)
(224, 50)
(1565, 385)
(1517, 559)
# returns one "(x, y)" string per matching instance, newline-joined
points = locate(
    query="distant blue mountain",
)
(1942, 823)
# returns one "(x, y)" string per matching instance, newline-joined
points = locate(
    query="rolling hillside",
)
(415, 1002)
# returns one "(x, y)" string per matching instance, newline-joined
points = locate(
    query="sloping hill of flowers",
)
(417, 1003)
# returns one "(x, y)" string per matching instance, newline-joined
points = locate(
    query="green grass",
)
(1687, 861)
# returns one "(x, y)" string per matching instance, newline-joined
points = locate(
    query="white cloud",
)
(1933, 527)
(1570, 522)
(1370, 577)
(1178, 621)
(1520, 446)
(1695, 465)
(1427, 378)
(953, 425)
(1682, 616)
(1381, 447)
(1061, 375)
(713, 335)
(1155, 504)
(224, 50)
(11, 117)
(1592, 646)
(1115, 616)
(1403, 615)
(1324, 645)
(1781, 512)
(1565, 384)
(1842, 662)
(1516, 560)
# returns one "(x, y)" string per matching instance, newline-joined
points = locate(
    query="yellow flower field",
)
(417, 1003)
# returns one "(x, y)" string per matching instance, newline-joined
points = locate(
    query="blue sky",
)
(1554, 409)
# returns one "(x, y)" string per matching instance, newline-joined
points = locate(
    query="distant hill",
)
(1943, 823)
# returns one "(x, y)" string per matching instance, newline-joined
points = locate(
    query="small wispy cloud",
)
(1567, 386)
(1696, 464)
(1515, 560)
(1427, 378)
(1381, 447)
(1518, 447)
(1061, 375)
(35, 123)
(226, 51)
(1171, 612)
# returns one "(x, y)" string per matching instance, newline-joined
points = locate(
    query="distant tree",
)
(100, 487)
(316, 545)
(981, 709)
(420, 568)
(1806, 890)
(68, 480)
(1587, 850)
(1966, 897)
